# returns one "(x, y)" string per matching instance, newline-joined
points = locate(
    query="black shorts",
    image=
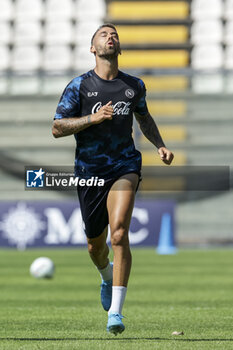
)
(93, 205)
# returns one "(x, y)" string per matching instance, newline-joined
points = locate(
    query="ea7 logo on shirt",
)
(129, 93)
(120, 108)
(91, 94)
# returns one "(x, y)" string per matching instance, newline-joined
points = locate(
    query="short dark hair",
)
(110, 25)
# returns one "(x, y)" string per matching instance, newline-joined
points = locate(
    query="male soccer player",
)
(98, 107)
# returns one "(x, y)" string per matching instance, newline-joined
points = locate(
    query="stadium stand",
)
(53, 84)
(58, 9)
(6, 13)
(207, 31)
(165, 83)
(147, 10)
(24, 85)
(5, 58)
(210, 36)
(79, 63)
(5, 33)
(207, 56)
(204, 9)
(28, 10)
(229, 58)
(58, 32)
(155, 38)
(57, 58)
(26, 33)
(90, 10)
(228, 35)
(213, 83)
(26, 59)
(153, 59)
(228, 10)
(84, 31)
(150, 34)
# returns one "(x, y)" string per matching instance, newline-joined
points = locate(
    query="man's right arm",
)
(69, 126)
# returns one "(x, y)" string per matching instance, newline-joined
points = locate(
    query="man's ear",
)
(92, 49)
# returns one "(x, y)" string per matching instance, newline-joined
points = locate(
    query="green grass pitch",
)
(190, 292)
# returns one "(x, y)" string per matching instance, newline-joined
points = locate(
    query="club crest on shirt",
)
(129, 93)
(119, 108)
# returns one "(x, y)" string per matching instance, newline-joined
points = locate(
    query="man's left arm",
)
(151, 132)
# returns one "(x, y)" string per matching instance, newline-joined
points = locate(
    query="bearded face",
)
(106, 44)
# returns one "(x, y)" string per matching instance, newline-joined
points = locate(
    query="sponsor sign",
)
(59, 224)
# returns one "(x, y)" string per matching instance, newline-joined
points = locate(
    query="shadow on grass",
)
(116, 338)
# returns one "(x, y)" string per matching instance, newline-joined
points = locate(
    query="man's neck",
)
(106, 70)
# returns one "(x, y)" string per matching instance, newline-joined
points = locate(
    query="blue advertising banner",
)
(59, 224)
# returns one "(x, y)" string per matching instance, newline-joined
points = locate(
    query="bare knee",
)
(119, 236)
(97, 246)
(95, 250)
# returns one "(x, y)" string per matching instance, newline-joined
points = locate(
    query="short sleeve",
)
(141, 107)
(69, 104)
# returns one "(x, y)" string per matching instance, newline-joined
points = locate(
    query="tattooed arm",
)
(68, 126)
(151, 131)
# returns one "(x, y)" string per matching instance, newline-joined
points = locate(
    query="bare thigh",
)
(120, 201)
(100, 240)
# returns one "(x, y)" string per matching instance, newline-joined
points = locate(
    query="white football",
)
(42, 268)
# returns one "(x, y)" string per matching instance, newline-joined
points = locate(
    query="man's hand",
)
(70, 126)
(104, 113)
(165, 155)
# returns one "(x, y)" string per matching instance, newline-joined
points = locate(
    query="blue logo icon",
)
(35, 178)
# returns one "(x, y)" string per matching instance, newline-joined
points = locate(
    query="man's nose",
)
(110, 36)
